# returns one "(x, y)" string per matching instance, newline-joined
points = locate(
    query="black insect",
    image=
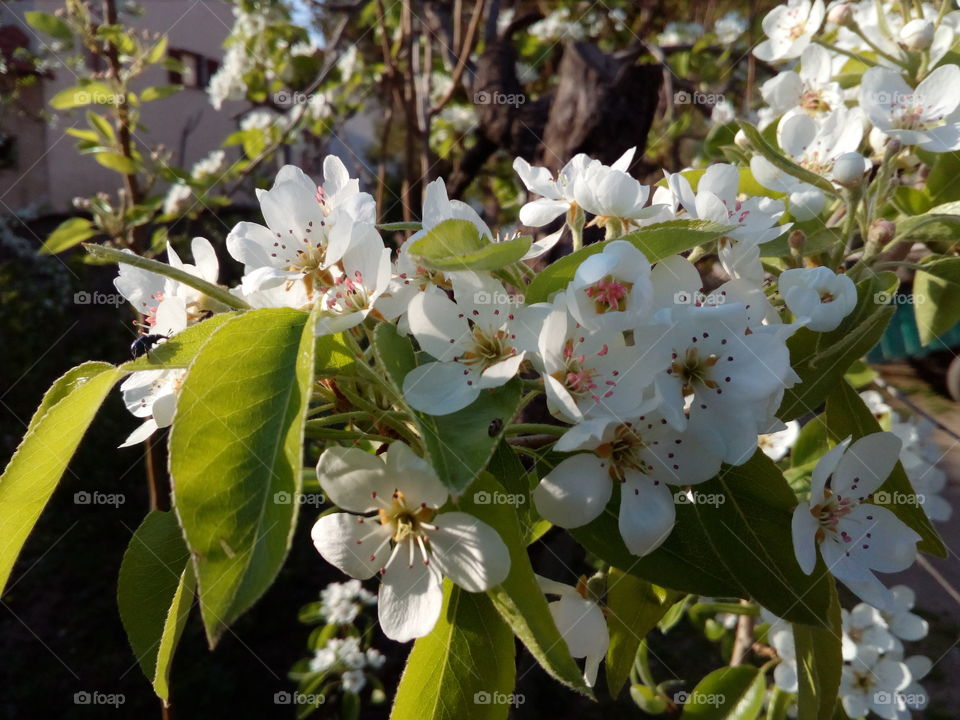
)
(496, 425)
(144, 344)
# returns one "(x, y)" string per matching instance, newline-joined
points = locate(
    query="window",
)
(195, 70)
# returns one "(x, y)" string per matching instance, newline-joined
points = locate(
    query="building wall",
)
(50, 173)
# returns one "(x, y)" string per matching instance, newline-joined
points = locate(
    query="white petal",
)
(575, 492)
(436, 323)
(143, 431)
(356, 545)
(440, 388)
(865, 465)
(354, 480)
(647, 513)
(411, 596)
(804, 528)
(205, 259)
(582, 625)
(542, 211)
(415, 477)
(469, 552)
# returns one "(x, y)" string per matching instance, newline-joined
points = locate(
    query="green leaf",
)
(86, 93)
(49, 24)
(464, 668)
(782, 163)
(519, 599)
(730, 693)
(458, 245)
(936, 297)
(459, 445)
(117, 162)
(656, 242)
(941, 223)
(54, 433)
(158, 52)
(822, 359)
(811, 443)
(101, 125)
(400, 226)
(68, 234)
(634, 607)
(86, 135)
(155, 592)
(506, 467)
(236, 451)
(159, 92)
(819, 665)
(848, 415)
(180, 350)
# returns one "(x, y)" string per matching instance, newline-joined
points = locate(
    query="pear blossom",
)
(556, 193)
(730, 27)
(776, 445)
(588, 374)
(818, 297)
(308, 229)
(611, 290)
(874, 682)
(880, 408)
(392, 500)
(610, 193)
(642, 454)
(789, 29)
(900, 619)
(814, 144)
(479, 341)
(151, 395)
(928, 116)
(341, 603)
(581, 623)
(917, 34)
(854, 536)
(780, 638)
(810, 89)
(864, 627)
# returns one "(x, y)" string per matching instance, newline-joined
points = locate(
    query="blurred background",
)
(109, 133)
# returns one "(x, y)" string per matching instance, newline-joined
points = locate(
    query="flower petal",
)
(411, 596)
(469, 552)
(354, 479)
(647, 513)
(357, 546)
(575, 492)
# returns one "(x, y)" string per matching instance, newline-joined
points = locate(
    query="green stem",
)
(338, 418)
(876, 48)
(535, 429)
(215, 292)
(642, 664)
(575, 221)
(325, 433)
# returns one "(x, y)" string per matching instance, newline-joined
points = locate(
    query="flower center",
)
(350, 295)
(830, 512)
(624, 452)
(812, 102)
(487, 348)
(693, 369)
(404, 520)
(609, 294)
(826, 296)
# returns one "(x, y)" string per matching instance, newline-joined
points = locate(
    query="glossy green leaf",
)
(777, 159)
(936, 297)
(181, 349)
(822, 359)
(730, 693)
(68, 234)
(458, 245)
(656, 242)
(49, 24)
(117, 163)
(634, 607)
(159, 92)
(88, 93)
(236, 451)
(155, 592)
(819, 664)
(464, 668)
(459, 445)
(54, 433)
(941, 223)
(519, 599)
(848, 416)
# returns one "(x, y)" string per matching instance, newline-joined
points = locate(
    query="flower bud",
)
(881, 232)
(849, 169)
(796, 239)
(741, 140)
(841, 14)
(917, 34)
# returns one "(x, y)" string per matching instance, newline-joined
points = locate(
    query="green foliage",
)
(464, 668)
(458, 245)
(236, 499)
(155, 592)
(68, 234)
(730, 693)
(936, 296)
(819, 665)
